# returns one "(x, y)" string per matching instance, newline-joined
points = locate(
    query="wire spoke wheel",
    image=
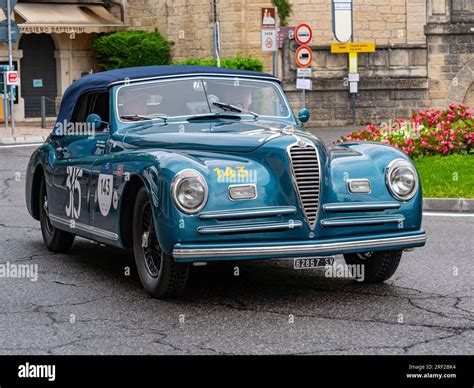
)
(365, 255)
(159, 273)
(56, 240)
(49, 227)
(151, 249)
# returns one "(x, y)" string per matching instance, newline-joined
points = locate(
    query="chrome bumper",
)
(185, 254)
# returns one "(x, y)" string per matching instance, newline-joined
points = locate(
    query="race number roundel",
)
(303, 34)
(304, 56)
(105, 188)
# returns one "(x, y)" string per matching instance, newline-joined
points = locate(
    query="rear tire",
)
(56, 240)
(160, 275)
(378, 266)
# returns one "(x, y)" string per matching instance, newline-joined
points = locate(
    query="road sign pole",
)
(5, 101)
(10, 65)
(275, 63)
(304, 98)
(275, 53)
(353, 95)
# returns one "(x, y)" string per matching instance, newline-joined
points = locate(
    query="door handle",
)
(61, 151)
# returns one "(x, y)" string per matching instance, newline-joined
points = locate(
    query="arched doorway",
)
(461, 90)
(469, 97)
(38, 73)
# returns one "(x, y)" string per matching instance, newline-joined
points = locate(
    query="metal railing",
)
(43, 109)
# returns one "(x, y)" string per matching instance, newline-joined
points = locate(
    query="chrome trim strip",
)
(248, 213)
(327, 248)
(360, 206)
(86, 228)
(195, 75)
(342, 221)
(245, 228)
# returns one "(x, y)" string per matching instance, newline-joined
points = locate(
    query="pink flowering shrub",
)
(431, 132)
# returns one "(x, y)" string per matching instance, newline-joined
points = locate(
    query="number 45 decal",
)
(74, 186)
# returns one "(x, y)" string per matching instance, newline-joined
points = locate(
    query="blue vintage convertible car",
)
(186, 165)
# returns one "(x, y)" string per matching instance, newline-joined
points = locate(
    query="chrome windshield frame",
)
(278, 87)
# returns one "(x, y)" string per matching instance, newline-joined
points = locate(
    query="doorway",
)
(38, 74)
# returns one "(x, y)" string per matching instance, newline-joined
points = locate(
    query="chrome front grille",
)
(306, 172)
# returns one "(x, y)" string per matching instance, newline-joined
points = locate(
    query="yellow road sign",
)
(361, 47)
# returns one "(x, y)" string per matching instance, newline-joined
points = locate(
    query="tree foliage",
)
(237, 63)
(131, 48)
(285, 10)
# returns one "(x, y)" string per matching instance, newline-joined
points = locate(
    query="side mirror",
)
(304, 115)
(94, 120)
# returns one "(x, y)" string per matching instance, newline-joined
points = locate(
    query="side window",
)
(96, 102)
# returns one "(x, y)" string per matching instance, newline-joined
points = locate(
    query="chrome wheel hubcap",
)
(49, 227)
(365, 255)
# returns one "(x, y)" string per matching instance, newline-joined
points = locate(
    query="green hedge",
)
(237, 63)
(131, 48)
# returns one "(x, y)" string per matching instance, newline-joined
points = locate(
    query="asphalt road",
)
(83, 303)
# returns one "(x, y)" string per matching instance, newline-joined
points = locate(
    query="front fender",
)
(369, 160)
(41, 163)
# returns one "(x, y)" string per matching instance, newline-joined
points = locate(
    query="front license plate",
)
(313, 262)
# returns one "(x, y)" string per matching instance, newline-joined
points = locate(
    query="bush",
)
(237, 63)
(131, 48)
(428, 133)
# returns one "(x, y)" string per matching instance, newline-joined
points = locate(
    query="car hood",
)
(224, 136)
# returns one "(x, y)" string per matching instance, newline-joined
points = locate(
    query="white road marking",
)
(21, 145)
(455, 215)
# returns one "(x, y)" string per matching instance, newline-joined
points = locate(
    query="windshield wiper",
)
(143, 117)
(232, 108)
(134, 117)
(214, 116)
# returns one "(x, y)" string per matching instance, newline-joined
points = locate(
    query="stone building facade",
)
(424, 57)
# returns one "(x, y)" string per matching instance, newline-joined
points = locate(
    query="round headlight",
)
(402, 179)
(189, 191)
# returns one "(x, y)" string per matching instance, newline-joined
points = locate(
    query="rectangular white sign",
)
(353, 87)
(304, 84)
(354, 77)
(304, 72)
(342, 6)
(269, 40)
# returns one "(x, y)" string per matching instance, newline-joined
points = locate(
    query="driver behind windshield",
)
(133, 105)
(237, 96)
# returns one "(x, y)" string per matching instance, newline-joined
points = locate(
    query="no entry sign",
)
(304, 56)
(303, 34)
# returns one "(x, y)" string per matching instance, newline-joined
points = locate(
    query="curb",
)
(455, 205)
(22, 140)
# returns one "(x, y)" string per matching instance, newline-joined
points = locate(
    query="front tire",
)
(378, 266)
(56, 240)
(160, 275)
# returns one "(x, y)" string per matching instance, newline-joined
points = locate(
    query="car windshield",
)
(197, 97)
